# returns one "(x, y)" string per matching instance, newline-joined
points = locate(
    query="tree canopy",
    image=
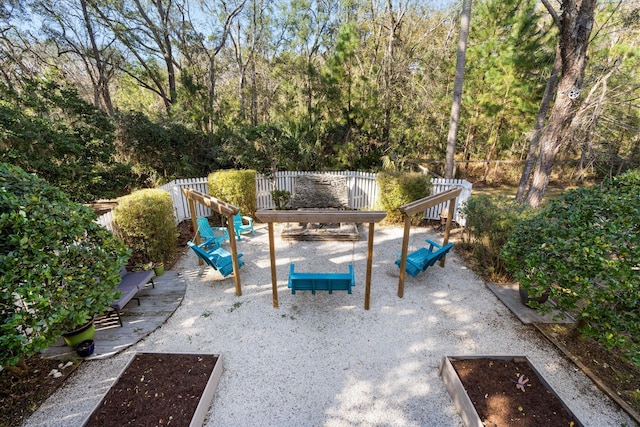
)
(345, 84)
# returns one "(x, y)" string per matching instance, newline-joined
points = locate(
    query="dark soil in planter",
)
(491, 386)
(155, 389)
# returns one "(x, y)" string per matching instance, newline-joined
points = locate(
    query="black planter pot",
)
(526, 299)
(85, 348)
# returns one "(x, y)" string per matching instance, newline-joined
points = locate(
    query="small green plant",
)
(584, 247)
(236, 305)
(58, 267)
(144, 221)
(400, 188)
(206, 314)
(280, 198)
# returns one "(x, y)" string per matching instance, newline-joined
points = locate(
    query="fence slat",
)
(363, 193)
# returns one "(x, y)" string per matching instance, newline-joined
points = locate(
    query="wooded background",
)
(101, 96)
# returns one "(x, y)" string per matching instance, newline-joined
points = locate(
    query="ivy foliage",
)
(58, 267)
(47, 129)
(144, 220)
(585, 248)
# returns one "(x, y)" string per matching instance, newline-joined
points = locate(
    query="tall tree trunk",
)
(102, 86)
(575, 29)
(549, 90)
(465, 21)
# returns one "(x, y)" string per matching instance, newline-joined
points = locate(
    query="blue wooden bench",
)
(423, 258)
(321, 281)
(131, 282)
(219, 259)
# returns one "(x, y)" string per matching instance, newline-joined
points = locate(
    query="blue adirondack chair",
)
(423, 258)
(219, 259)
(211, 240)
(239, 224)
(321, 281)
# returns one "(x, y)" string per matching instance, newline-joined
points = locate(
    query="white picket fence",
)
(363, 193)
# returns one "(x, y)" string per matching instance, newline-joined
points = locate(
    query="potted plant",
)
(82, 333)
(59, 267)
(158, 268)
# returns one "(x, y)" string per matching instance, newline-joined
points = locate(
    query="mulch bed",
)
(21, 395)
(491, 384)
(155, 389)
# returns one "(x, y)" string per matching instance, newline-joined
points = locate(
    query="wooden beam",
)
(367, 290)
(272, 256)
(323, 216)
(403, 256)
(217, 205)
(447, 228)
(429, 202)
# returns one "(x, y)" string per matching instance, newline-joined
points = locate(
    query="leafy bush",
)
(163, 150)
(237, 187)
(489, 221)
(280, 198)
(585, 248)
(49, 130)
(400, 188)
(145, 222)
(58, 267)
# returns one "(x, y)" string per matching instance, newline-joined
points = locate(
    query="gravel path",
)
(323, 360)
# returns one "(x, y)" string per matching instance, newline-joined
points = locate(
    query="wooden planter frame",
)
(461, 399)
(206, 398)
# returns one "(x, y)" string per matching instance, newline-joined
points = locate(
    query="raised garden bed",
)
(173, 389)
(502, 391)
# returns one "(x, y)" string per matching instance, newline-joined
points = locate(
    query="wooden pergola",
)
(223, 208)
(421, 205)
(323, 217)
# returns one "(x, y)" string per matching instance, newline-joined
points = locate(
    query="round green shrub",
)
(398, 189)
(58, 267)
(490, 220)
(585, 248)
(144, 220)
(237, 187)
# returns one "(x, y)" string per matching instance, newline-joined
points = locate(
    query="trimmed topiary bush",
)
(144, 220)
(400, 188)
(237, 187)
(58, 267)
(585, 248)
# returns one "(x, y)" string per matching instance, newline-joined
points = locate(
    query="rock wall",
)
(320, 191)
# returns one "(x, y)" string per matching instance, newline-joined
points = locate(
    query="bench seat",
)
(321, 281)
(131, 282)
(420, 259)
